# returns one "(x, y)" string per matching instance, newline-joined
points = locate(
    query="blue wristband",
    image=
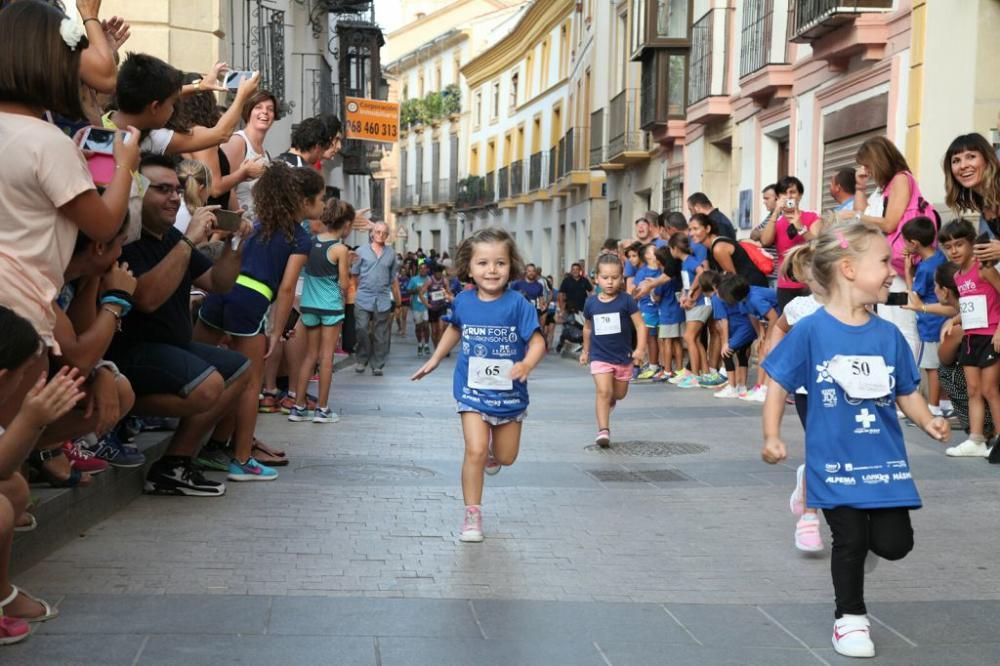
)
(125, 305)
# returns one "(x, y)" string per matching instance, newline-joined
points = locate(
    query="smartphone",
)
(235, 77)
(897, 298)
(100, 140)
(228, 220)
(293, 319)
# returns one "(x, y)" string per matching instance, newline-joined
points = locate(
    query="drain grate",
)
(644, 448)
(630, 476)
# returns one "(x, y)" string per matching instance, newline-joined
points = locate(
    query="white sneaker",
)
(727, 392)
(759, 394)
(852, 636)
(968, 449)
(492, 464)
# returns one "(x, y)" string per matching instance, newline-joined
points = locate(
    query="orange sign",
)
(371, 120)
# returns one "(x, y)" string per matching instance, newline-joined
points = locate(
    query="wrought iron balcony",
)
(817, 18)
(763, 36)
(535, 171)
(596, 137)
(491, 186)
(474, 192)
(503, 183)
(425, 194)
(708, 98)
(410, 198)
(443, 191)
(553, 164)
(517, 178)
(626, 140)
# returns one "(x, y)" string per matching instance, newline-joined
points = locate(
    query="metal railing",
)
(577, 158)
(491, 186)
(503, 183)
(809, 13)
(425, 194)
(702, 33)
(596, 137)
(410, 196)
(561, 163)
(443, 192)
(624, 133)
(535, 171)
(517, 178)
(553, 165)
(473, 192)
(755, 36)
(396, 199)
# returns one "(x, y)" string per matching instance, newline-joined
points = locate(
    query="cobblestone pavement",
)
(675, 547)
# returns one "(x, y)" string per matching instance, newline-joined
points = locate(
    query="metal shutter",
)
(838, 155)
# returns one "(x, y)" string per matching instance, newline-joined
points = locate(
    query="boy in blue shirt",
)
(920, 235)
(671, 316)
(762, 304)
(738, 330)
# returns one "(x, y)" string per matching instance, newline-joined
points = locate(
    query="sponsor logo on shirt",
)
(874, 479)
(866, 420)
(832, 468)
(842, 480)
(829, 397)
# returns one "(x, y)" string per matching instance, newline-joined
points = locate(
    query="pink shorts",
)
(622, 373)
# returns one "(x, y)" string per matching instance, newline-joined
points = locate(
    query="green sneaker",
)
(648, 372)
(711, 380)
(212, 458)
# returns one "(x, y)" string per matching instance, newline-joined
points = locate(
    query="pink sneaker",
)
(472, 530)
(492, 464)
(807, 536)
(13, 630)
(797, 502)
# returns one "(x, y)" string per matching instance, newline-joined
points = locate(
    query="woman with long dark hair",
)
(972, 183)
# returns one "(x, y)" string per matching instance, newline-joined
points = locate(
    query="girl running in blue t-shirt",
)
(501, 345)
(610, 319)
(857, 369)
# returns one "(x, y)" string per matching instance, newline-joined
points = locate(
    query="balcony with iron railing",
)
(708, 97)
(553, 165)
(815, 19)
(596, 138)
(535, 170)
(491, 185)
(443, 192)
(396, 199)
(765, 71)
(503, 183)
(425, 194)
(626, 141)
(517, 178)
(410, 196)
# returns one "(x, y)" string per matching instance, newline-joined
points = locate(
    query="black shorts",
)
(740, 358)
(977, 351)
(154, 368)
(435, 315)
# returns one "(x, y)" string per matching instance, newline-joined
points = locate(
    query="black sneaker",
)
(180, 478)
(994, 455)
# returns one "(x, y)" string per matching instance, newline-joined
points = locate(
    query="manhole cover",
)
(642, 448)
(364, 472)
(644, 476)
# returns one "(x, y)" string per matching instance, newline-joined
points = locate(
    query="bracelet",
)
(107, 365)
(118, 317)
(190, 243)
(92, 18)
(124, 304)
(120, 293)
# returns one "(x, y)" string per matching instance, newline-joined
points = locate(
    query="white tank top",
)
(243, 189)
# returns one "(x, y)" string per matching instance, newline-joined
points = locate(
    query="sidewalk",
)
(675, 548)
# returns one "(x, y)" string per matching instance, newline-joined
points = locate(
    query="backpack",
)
(760, 259)
(917, 206)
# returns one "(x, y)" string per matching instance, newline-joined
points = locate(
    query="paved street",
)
(682, 555)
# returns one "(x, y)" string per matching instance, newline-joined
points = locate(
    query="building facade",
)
(425, 77)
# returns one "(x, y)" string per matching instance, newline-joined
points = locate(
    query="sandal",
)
(268, 456)
(13, 630)
(37, 461)
(30, 527)
(50, 611)
(267, 402)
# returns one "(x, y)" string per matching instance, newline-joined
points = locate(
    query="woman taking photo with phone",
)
(792, 226)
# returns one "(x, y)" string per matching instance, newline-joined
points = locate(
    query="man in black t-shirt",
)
(173, 376)
(700, 203)
(310, 141)
(574, 290)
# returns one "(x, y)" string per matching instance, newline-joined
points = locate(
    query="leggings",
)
(740, 358)
(885, 532)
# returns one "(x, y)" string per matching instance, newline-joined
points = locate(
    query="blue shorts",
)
(310, 320)
(490, 419)
(154, 368)
(651, 319)
(242, 312)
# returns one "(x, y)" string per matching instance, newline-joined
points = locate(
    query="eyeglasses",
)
(166, 189)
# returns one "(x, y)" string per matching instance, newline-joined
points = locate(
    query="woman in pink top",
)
(792, 227)
(48, 195)
(979, 307)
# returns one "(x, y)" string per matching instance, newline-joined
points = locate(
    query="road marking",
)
(788, 631)
(601, 652)
(475, 616)
(900, 635)
(681, 625)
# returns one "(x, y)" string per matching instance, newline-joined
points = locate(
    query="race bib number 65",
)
(490, 374)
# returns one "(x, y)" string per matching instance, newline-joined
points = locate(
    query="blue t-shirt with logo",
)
(855, 454)
(670, 309)
(413, 286)
(646, 304)
(762, 300)
(928, 325)
(741, 331)
(629, 270)
(611, 328)
(495, 335)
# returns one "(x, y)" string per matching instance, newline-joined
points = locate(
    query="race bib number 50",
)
(861, 377)
(490, 374)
